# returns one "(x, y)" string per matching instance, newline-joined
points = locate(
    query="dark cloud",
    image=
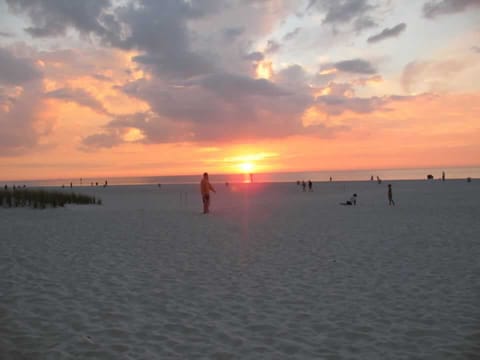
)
(101, 77)
(434, 8)
(15, 70)
(272, 47)
(364, 23)
(230, 34)
(292, 34)
(103, 140)
(6, 34)
(236, 86)
(254, 56)
(77, 96)
(336, 105)
(388, 33)
(54, 17)
(342, 11)
(356, 66)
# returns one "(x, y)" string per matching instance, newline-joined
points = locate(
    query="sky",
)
(177, 87)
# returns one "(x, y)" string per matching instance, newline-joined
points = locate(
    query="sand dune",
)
(271, 273)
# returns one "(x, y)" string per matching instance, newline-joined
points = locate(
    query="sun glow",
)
(246, 167)
(264, 70)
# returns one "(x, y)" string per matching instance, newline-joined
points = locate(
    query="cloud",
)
(254, 56)
(434, 8)
(292, 34)
(272, 47)
(235, 86)
(336, 105)
(346, 12)
(54, 17)
(356, 66)
(232, 33)
(419, 76)
(23, 121)
(388, 33)
(6, 34)
(77, 96)
(103, 140)
(16, 70)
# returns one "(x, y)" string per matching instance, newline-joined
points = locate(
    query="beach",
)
(272, 273)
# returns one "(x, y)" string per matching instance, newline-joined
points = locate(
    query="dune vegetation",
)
(42, 199)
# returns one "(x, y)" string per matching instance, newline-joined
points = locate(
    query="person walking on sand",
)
(310, 184)
(205, 188)
(390, 195)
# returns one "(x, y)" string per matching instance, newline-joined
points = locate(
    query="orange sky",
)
(83, 108)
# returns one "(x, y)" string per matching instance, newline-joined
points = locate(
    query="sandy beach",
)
(271, 273)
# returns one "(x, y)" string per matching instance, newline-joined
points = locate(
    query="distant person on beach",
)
(352, 201)
(443, 175)
(390, 195)
(205, 188)
(379, 180)
(310, 185)
(304, 184)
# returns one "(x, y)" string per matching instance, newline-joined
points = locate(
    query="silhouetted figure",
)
(443, 175)
(159, 185)
(251, 178)
(96, 183)
(81, 181)
(310, 184)
(352, 201)
(331, 179)
(390, 195)
(298, 183)
(205, 188)
(63, 186)
(71, 185)
(106, 183)
(429, 177)
(227, 184)
(379, 180)
(6, 187)
(469, 179)
(371, 178)
(304, 185)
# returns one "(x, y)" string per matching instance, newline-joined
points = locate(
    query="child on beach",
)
(352, 201)
(205, 188)
(390, 195)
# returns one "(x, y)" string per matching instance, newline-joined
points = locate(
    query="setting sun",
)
(247, 167)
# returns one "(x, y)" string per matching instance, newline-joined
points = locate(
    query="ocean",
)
(315, 176)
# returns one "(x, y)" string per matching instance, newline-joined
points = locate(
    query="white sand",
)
(272, 273)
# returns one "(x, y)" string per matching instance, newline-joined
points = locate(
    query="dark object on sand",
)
(429, 177)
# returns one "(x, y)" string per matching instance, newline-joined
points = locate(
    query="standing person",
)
(390, 195)
(205, 188)
(443, 175)
(310, 184)
(304, 184)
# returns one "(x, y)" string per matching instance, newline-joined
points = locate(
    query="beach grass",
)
(41, 199)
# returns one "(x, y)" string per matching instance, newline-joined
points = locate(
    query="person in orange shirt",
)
(205, 188)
